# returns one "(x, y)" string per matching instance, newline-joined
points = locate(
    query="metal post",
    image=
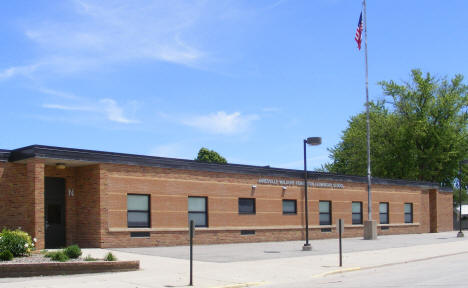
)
(369, 195)
(192, 228)
(340, 228)
(460, 233)
(306, 246)
(370, 226)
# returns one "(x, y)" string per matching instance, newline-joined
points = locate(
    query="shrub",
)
(89, 258)
(18, 242)
(48, 254)
(73, 251)
(110, 257)
(57, 256)
(6, 255)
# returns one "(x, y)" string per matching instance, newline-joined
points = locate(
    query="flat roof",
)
(93, 156)
(4, 155)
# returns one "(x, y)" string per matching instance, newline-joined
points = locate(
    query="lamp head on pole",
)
(314, 141)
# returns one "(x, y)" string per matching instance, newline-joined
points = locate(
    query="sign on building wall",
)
(299, 183)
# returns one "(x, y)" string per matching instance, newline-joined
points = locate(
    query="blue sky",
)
(249, 79)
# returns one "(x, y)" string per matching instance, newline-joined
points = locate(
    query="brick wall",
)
(15, 205)
(96, 215)
(170, 188)
(87, 199)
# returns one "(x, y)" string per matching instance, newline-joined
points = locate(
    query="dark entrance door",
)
(54, 212)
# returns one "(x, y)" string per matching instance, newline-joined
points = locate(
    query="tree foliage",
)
(419, 132)
(210, 156)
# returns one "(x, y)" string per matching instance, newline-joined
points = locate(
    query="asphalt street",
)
(439, 272)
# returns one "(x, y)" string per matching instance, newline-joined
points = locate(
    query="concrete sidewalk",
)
(172, 271)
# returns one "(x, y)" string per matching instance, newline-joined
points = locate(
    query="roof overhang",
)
(80, 157)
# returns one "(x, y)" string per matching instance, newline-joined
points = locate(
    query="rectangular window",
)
(246, 205)
(197, 211)
(383, 208)
(357, 212)
(138, 207)
(325, 212)
(408, 212)
(289, 207)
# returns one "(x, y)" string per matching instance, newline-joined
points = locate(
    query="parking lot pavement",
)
(226, 253)
(283, 269)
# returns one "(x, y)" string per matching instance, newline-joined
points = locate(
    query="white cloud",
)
(114, 112)
(57, 93)
(221, 122)
(107, 32)
(26, 70)
(107, 107)
(68, 108)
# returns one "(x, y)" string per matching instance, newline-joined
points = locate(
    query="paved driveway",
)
(226, 253)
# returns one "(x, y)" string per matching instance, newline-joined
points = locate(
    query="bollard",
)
(340, 234)
(191, 232)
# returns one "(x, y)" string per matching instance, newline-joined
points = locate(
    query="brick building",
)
(102, 199)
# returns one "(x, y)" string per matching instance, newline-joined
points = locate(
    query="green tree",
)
(419, 132)
(210, 156)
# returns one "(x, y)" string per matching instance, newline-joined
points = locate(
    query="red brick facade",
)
(96, 205)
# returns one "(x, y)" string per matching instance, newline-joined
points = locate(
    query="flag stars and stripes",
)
(358, 36)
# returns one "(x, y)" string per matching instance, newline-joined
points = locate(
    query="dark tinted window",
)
(357, 212)
(289, 207)
(197, 211)
(408, 212)
(383, 207)
(325, 212)
(138, 210)
(246, 206)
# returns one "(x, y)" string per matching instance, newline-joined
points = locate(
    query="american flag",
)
(358, 36)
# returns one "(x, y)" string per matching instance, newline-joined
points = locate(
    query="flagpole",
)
(370, 229)
(369, 195)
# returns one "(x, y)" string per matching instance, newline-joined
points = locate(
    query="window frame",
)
(147, 211)
(410, 213)
(387, 214)
(353, 213)
(247, 213)
(295, 206)
(199, 212)
(329, 212)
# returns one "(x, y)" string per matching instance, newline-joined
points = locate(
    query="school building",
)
(64, 196)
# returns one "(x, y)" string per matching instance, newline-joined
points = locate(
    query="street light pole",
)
(310, 141)
(460, 233)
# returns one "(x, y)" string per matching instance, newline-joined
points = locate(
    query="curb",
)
(413, 260)
(324, 274)
(240, 285)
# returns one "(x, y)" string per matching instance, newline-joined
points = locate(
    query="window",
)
(325, 212)
(246, 206)
(197, 211)
(357, 212)
(408, 212)
(383, 208)
(289, 207)
(138, 210)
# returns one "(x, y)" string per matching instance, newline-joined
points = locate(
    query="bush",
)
(6, 255)
(18, 242)
(89, 258)
(57, 256)
(73, 251)
(110, 257)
